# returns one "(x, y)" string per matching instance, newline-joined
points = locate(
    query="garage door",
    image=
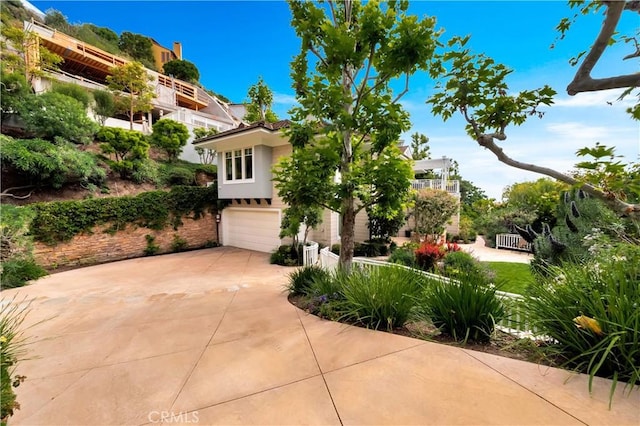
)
(252, 229)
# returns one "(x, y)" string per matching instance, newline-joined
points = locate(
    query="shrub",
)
(467, 231)
(179, 176)
(53, 115)
(383, 226)
(459, 262)
(432, 209)
(466, 309)
(429, 254)
(12, 350)
(286, 255)
(380, 297)
(374, 248)
(586, 225)
(129, 147)
(301, 280)
(403, 256)
(16, 259)
(105, 105)
(146, 171)
(74, 91)
(335, 249)
(170, 136)
(591, 312)
(16, 272)
(178, 243)
(151, 248)
(44, 163)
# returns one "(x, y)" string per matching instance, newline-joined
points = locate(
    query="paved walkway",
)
(209, 337)
(488, 254)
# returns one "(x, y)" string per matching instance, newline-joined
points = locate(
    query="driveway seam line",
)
(524, 387)
(254, 393)
(326, 385)
(206, 346)
(376, 357)
(84, 373)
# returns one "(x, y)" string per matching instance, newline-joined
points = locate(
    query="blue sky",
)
(233, 43)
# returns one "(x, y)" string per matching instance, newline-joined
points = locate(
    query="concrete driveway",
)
(208, 337)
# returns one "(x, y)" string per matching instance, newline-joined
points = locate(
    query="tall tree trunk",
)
(347, 240)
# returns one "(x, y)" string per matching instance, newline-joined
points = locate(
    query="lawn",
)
(512, 277)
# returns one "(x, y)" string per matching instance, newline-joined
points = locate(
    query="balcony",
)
(451, 186)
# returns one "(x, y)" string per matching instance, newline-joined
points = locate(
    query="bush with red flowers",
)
(429, 253)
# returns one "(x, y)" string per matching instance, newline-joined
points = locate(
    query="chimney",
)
(177, 49)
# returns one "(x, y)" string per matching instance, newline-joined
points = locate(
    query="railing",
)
(310, 254)
(451, 186)
(513, 242)
(328, 260)
(76, 45)
(197, 119)
(515, 321)
(82, 81)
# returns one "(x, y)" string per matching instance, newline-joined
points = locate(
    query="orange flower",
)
(588, 324)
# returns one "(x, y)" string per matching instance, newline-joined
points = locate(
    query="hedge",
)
(62, 220)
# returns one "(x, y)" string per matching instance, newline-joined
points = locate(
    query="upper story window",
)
(238, 165)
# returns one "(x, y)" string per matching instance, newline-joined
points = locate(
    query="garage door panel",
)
(252, 229)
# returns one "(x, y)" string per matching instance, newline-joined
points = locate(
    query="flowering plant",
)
(429, 253)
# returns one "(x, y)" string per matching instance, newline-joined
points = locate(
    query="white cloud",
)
(575, 130)
(606, 98)
(283, 98)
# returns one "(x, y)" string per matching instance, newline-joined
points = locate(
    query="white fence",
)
(328, 260)
(310, 253)
(514, 322)
(513, 242)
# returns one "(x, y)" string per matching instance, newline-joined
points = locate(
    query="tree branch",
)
(582, 81)
(406, 88)
(6, 192)
(618, 205)
(633, 6)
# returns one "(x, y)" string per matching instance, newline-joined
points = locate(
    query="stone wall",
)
(100, 247)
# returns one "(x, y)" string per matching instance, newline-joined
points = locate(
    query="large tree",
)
(138, 46)
(475, 86)
(182, 70)
(260, 101)
(349, 120)
(130, 84)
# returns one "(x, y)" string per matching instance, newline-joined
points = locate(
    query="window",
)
(228, 165)
(238, 165)
(248, 163)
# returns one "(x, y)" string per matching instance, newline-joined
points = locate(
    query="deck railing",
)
(451, 186)
(513, 242)
(516, 321)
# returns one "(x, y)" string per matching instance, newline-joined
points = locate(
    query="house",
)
(89, 66)
(162, 55)
(252, 218)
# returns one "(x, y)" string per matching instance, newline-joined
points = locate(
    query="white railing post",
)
(310, 254)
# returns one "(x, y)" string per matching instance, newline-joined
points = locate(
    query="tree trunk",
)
(131, 111)
(347, 240)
